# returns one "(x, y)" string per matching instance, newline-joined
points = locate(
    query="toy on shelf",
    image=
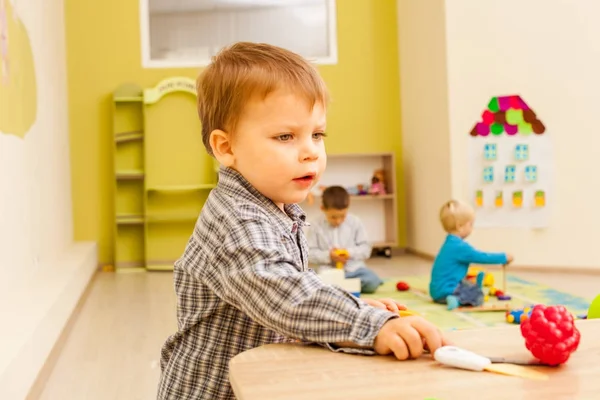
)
(550, 334)
(378, 183)
(361, 189)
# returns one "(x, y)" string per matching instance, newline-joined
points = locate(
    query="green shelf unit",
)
(163, 174)
(128, 164)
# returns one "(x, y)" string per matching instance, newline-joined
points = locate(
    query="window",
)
(489, 151)
(522, 152)
(531, 173)
(187, 33)
(488, 174)
(509, 174)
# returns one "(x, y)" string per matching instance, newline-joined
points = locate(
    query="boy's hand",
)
(407, 337)
(509, 258)
(386, 304)
(337, 257)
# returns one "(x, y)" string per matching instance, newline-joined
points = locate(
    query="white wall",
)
(42, 272)
(35, 205)
(549, 53)
(455, 56)
(424, 116)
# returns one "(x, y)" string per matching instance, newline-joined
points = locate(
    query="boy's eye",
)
(284, 137)
(319, 135)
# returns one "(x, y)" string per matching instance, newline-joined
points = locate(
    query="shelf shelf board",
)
(130, 219)
(165, 218)
(123, 137)
(182, 188)
(129, 99)
(378, 245)
(130, 174)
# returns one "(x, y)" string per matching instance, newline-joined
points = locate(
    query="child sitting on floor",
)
(448, 276)
(339, 230)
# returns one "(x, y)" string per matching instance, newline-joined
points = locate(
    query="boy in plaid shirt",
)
(243, 279)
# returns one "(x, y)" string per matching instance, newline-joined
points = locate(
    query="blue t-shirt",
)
(452, 264)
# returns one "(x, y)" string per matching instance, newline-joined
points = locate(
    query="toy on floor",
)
(518, 315)
(550, 334)
(594, 310)
(499, 294)
(488, 279)
(402, 286)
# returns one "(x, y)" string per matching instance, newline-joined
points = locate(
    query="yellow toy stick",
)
(407, 313)
(340, 252)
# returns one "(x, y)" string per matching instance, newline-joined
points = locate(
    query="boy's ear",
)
(220, 142)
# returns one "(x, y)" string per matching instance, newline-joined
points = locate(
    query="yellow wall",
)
(103, 51)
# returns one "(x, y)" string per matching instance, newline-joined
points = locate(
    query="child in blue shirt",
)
(448, 276)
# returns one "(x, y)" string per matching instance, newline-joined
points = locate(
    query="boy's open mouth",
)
(305, 179)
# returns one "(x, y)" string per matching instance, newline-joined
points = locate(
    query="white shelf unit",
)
(379, 213)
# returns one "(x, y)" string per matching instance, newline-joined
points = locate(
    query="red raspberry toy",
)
(550, 334)
(402, 286)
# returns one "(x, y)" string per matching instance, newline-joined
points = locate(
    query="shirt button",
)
(294, 227)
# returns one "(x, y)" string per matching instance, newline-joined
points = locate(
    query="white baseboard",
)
(35, 315)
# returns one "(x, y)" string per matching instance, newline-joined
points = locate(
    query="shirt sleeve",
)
(318, 249)
(361, 250)
(468, 254)
(253, 272)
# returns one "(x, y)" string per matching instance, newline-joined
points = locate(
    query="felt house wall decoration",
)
(510, 165)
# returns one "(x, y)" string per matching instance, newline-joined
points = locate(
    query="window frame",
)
(148, 63)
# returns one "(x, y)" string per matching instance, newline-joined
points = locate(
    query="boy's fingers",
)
(390, 304)
(401, 306)
(429, 332)
(413, 341)
(398, 347)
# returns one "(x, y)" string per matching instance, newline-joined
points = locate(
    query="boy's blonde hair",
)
(454, 213)
(246, 70)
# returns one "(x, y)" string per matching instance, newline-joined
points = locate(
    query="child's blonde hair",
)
(245, 70)
(454, 213)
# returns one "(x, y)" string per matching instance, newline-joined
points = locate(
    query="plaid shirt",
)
(243, 282)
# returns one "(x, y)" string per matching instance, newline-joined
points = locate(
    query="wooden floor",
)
(113, 348)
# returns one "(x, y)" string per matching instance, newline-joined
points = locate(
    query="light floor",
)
(113, 349)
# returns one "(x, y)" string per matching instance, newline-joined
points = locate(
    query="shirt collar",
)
(234, 184)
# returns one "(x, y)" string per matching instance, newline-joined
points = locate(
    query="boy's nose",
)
(309, 152)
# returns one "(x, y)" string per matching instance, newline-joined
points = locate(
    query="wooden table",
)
(295, 371)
